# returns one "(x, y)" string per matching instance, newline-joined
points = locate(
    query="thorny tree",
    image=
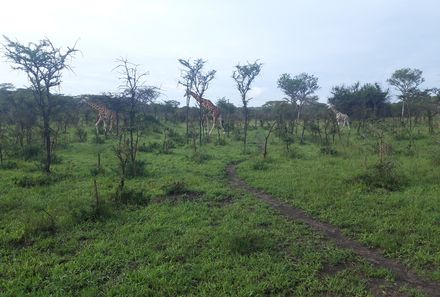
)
(135, 91)
(194, 79)
(299, 89)
(43, 64)
(407, 82)
(244, 75)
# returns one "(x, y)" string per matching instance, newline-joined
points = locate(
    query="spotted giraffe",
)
(105, 116)
(211, 108)
(341, 118)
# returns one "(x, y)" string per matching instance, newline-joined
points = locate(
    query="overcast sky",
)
(339, 41)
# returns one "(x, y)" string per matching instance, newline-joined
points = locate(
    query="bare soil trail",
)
(403, 276)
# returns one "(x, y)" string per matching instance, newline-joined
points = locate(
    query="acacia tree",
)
(194, 79)
(407, 82)
(134, 91)
(299, 89)
(43, 64)
(244, 75)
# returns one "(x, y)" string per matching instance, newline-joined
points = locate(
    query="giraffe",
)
(211, 108)
(341, 118)
(105, 115)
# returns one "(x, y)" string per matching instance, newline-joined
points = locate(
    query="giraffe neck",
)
(195, 96)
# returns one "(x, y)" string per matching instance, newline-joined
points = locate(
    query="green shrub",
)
(329, 150)
(293, 153)
(98, 139)
(8, 165)
(151, 147)
(136, 168)
(200, 157)
(176, 188)
(383, 175)
(91, 213)
(81, 134)
(132, 197)
(220, 141)
(31, 152)
(260, 164)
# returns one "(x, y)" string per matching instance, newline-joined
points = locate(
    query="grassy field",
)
(185, 232)
(404, 223)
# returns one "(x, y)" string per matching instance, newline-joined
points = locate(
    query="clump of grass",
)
(435, 156)
(81, 134)
(31, 152)
(36, 180)
(132, 197)
(98, 139)
(383, 175)
(176, 188)
(293, 153)
(91, 213)
(200, 157)
(220, 141)
(8, 165)
(260, 164)
(136, 169)
(150, 147)
(244, 244)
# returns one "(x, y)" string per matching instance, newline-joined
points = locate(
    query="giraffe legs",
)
(213, 124)
(111, 125)
(220, 123)
(97, 124)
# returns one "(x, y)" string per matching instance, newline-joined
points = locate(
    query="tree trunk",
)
(403, 109)
(245, 125)
(46, 135)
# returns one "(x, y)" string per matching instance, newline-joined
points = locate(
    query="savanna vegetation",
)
(140, 204)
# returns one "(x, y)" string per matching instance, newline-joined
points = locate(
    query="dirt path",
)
(402, 275)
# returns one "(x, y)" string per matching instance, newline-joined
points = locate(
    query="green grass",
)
(404, 223)
(205, 239)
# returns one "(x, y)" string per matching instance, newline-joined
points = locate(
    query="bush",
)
(293, 153)
(132, 197)
(383, 175)
(260, 164)
(98, 139)
(81, 133)
(151, 147)
(176, 188)
(328, 150)
(8, 165)
(31, 152)
(91, 212)
(435, 156)
(200, 157)
(220, 141)
(136, 168)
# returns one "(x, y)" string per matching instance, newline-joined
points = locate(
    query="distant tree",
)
(134, 91)
(227, 109)
(169, 108)
(360, 102)
(194, 79)
(43, 64)
(299, 89)
(407, 82)
(22, 112)
(244, 75)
